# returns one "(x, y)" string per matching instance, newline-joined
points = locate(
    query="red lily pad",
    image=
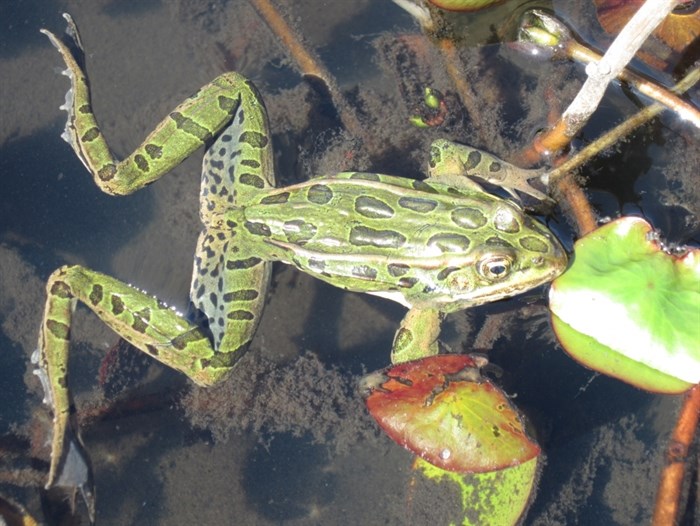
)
(444, 411)
(679, 30)
(630, 308)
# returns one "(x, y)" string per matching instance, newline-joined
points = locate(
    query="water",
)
(297, 449)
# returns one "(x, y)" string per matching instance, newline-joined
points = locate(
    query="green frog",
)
(437, 246)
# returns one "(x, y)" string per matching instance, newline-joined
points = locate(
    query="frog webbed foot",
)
(74, 472)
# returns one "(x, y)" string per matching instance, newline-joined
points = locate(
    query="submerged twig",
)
(453, 66)
(668, 496)
(309, 64)
(560, 176)
(611, 137)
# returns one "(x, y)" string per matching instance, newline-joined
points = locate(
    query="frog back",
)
(417, 242)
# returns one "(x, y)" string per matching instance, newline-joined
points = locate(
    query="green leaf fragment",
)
(627, 308)
(496, 498)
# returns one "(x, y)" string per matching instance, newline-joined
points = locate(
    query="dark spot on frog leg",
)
(473, 159)
(117, 305)
(96, 294)
(91, 134)
(241, 315)
(107, 172)
(241, 295)
(141, 319)
(253, 180)
(190, 127)
(254, 139)
(154, 151)
(181, 341)
(251, 163)
(228, 104)
(241, 264)
(58, 329)
(141, 163)
(60, 289)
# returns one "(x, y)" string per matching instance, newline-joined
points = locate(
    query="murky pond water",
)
(287, 439)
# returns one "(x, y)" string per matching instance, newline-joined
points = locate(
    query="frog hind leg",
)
(188, 127)
(142, 320)
(229, 281)
(228, 292)
(458, 165)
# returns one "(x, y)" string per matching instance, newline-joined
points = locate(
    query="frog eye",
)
(494, 268)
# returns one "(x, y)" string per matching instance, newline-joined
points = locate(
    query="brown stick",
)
(454, 69)
(668, 495)
(308, 63)
(580, 209)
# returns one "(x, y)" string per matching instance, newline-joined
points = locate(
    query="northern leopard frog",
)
(436, 246)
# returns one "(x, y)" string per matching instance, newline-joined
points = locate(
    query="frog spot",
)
(373, 208)
(468, 217)
(453, 243)
(505, 221)
(319, 194)
(533, 243)
(365, 236)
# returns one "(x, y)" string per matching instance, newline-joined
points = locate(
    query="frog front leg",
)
(458, 164)
(417, 336)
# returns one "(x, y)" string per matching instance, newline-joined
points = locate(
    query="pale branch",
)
(621, 51)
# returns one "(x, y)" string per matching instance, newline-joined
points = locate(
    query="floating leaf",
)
(629, 309)
(679, 29)
(463, 5)
(496, 498)
(441, 409)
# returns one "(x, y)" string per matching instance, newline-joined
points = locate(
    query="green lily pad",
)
(463, 5)
(630, 309)
(496, 498)
(441, 409)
